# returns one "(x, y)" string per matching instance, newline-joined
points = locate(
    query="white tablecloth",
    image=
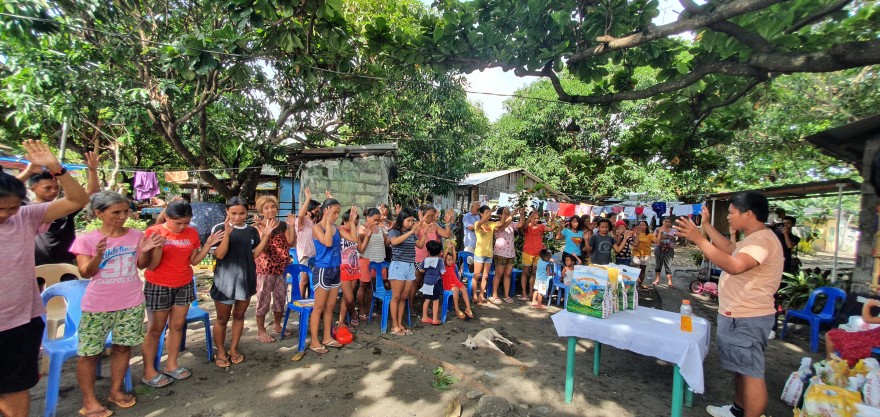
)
(648, 332)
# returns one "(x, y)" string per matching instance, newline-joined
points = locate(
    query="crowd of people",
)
(342, 244)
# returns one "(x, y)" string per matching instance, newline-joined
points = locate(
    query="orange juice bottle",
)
(686, 319)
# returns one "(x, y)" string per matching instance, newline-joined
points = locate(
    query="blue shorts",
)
(402, 271)
(327, 278)
(483, 259)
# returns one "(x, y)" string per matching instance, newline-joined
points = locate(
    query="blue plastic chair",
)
(294, 258)
(64, 348)
(297, 303)
(827, 315)
(558, 288)
(464, 271)
(380, 293)
(514, 275)
(194, 315)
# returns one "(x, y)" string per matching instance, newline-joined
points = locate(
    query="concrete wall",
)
(864, 268)
(360, 181)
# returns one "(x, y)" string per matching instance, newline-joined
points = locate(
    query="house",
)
(487, 186)
(858, 143)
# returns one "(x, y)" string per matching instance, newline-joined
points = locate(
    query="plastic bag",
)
(823, 400)
(871, 389)
(793, 389)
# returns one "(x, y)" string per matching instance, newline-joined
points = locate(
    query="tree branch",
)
(723, 12)
(744, 36)
(815, 17)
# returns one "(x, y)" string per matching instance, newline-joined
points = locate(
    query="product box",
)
(591, 292)
(629, 276)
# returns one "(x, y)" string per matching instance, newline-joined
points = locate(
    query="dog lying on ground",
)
(486, 338)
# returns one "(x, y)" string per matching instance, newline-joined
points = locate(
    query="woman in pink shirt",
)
(114, 299)
(504, 254)
(309, 214)
(21, 309)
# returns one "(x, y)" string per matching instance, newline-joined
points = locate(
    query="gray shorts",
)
(741, 343)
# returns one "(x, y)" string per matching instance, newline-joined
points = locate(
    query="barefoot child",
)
(452, 283)
(567, 269)
(542, 279)
(114, 299)
(432, 268)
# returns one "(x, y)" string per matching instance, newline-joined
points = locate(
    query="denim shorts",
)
(402, 271)
(483, 259)
(741, 343)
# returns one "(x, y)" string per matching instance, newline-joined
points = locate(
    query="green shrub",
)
(796, 288)
(805, 247)
(132, 223)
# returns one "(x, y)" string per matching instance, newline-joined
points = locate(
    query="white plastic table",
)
(645, 331)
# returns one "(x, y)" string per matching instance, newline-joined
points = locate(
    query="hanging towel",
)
(697, 209)
(659, 208)
(176, 176)
(596, 210)
(581, 209)
(506, 200)
(553, 206)
(629, 212)
(640, 210)
(566, 209)
(617, 209)
(146, 185)
(682, 210)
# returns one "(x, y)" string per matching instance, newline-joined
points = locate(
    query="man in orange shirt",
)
(752, 273)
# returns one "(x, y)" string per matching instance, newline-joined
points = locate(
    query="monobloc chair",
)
(380, 293)
(514, 275)
(195, 314)
(464, 271)
(298, 303)
(56, 308)
(64, 348)
(558, 288)
(827, 314)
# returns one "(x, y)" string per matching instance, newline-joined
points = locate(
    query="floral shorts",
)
(126, 325)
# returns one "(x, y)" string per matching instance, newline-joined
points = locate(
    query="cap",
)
(620, 223)
(685, 301)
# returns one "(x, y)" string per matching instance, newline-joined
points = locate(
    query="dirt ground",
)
(382, 374)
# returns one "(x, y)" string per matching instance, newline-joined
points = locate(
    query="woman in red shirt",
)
(169, 289)
(532, 245)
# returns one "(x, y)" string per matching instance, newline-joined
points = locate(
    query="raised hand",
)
(688, 229)
(383, 210)
(308, 193)
(227, 225)
(101, 247)
(290, 220)
(152, 242)
(215, 238)
(352, 214)
(449, 217)
(39, 153)
(268, 225)
(91, 160)
(327, 194)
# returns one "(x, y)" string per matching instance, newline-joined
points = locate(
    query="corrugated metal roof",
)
(481, 177)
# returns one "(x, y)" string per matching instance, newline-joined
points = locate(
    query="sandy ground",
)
(384, 375)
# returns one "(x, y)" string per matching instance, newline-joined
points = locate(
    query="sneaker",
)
(723, 411)
(772, 335)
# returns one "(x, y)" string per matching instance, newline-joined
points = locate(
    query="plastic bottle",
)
(686, 319)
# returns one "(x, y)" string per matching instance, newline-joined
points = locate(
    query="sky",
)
(494, 80)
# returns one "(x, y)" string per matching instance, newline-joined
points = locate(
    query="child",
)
(114, 299)
(601, 244)
(432, 267)
(542, 279)
(235, 276)
(452, 283)
(402, 271)
(567, 270)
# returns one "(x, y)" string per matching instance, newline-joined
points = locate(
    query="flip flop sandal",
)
(436, 322)
(496, 300)
(179, 373)
(220, 362)
(644, 287)
(334, 344)
(355, 322)
(320, 350)
(460, 315)
(267, 339)
(235, 359)
(508, 300)
(470, 314)
(104, 412)
(407, 332)
(426, 321)
(125, 404)
(398, 332)
(158, 381)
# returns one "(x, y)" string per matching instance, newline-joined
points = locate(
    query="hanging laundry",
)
(659, 208)
(639, 210)
(582, 209)
(552, 206)
(617, 209)
(697, 209)
(629, 212)
(596, 210)
(176, 177)
(682, 210)
(566, 209)
(145, 185)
